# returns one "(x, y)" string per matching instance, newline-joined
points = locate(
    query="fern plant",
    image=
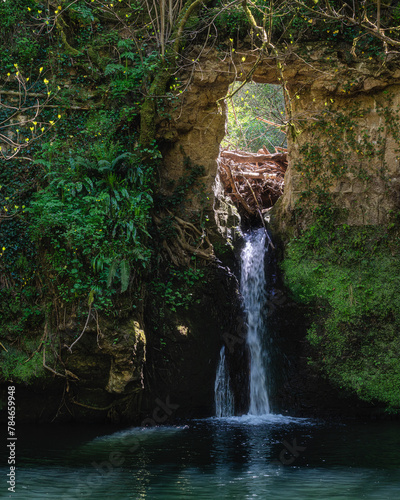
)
(94, 213)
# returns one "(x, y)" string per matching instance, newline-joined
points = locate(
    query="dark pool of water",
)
(238, 458)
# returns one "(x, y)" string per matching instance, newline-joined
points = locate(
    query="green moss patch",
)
(349, 277)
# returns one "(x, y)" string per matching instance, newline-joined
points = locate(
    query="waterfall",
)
(224, 402)
(253, 290)
(252, 285)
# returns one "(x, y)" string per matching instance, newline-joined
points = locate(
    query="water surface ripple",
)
(230, 458)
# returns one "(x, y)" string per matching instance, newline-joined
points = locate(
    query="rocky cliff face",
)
(335, 105)
(343, 139)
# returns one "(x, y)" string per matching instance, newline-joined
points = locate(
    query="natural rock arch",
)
(318, 86)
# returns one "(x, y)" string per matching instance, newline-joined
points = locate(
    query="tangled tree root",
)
(188, 240)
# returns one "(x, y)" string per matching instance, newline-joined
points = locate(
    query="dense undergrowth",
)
(77, 192)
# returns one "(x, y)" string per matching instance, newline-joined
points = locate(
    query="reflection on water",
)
(230, 458)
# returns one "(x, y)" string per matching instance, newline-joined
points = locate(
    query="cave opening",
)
(253, 156)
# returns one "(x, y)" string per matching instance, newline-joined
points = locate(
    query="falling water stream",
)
(253, 290)
(224, 401)
(253, 285)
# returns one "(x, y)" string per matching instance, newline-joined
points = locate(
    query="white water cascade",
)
(224, 402)
(252, 285)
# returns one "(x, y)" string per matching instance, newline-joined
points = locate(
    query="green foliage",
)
(349, 276)
(13, 12)
(19, 44)
(92, 217)
(313, 22)
(128, 73)
(80, 11)
(16, 366)
(20, 311)
(231, 22)
(20, 314)
(26, 50)
(254, 101)
(177, 287)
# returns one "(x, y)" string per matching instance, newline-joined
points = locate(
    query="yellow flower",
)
(3, 248)
(27, 79)
(58, 116)
(46, 81)
(51, 122)
(40, 69)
